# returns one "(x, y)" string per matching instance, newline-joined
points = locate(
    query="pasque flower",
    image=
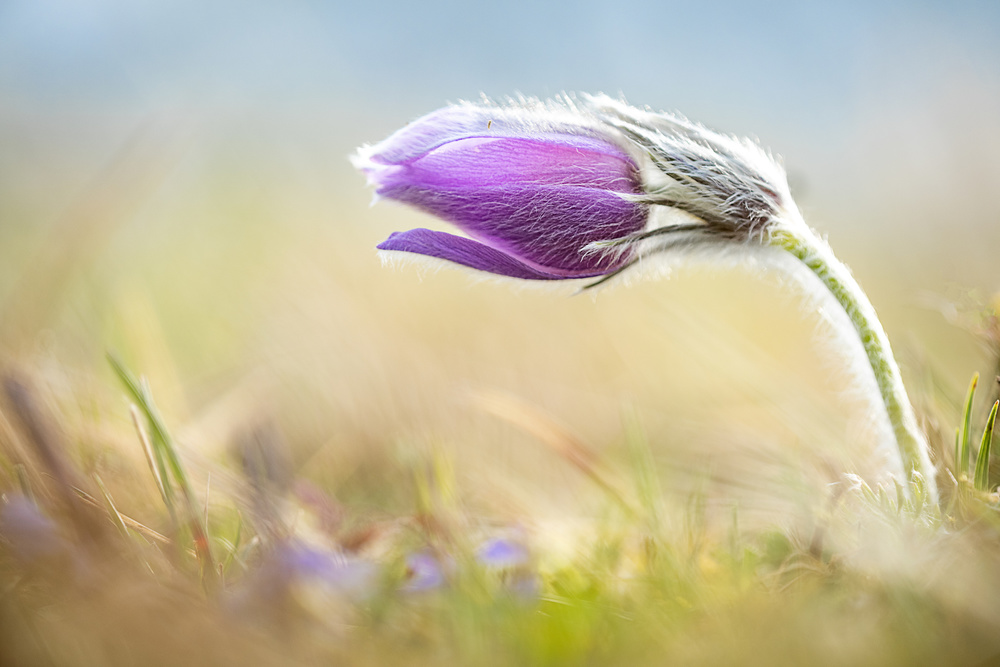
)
(567, 189)
(578, 188)
(532, 185)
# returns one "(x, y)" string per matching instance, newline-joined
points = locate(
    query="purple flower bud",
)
(532, 185)
(573, 189)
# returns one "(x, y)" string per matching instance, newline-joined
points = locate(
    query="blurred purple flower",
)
(291, 568)
(424, 572)
(32, 537)
(352, 577)
(503, 553)
(533, 185)
(512, 561)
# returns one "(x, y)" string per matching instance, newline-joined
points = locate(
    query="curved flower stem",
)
(808, 248)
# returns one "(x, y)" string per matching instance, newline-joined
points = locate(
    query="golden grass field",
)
(231, 263)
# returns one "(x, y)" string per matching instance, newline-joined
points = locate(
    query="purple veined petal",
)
(462, 251)
(463, 121)
(477, 162)
(428, 133)
(535, 184)
(543, 227)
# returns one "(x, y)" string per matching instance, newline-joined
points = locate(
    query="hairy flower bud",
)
(567, 189)
(732, 186)
(533, 185)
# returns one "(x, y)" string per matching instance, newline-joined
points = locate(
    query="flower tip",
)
(390, 243)
(360, 159)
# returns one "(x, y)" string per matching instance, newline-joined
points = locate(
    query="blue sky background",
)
(868, 102)
(800, 63)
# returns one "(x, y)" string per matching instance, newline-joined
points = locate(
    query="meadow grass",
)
(295, 456)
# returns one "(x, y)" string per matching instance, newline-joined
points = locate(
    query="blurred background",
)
(174, 186)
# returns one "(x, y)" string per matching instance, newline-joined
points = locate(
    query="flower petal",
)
(463, 251)
(503, 553)
(32, 536)
(556, 124)
(542, 226)
(535, 183)
(484, 161)
(425, 573)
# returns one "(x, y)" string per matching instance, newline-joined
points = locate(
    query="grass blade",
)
(647, 484)
(983, 461)
(166, 452)
(958, 452)
(962, 462)
(155, 461)
(111, 508)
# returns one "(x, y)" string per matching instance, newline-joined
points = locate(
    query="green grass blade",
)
(919, 492)
(962, 461)
(647, 484)
(983, 461)
(233, 546)
(958, 450)
(162, 440)
(154, 459)
(161, 436)
(140, 395)
(112, 509)
(22, 479)
(166, 452)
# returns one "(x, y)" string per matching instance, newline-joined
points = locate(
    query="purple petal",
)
(32, 535)
(430, 132)
(293, 564)
(535, 184)
(426, 572)
(545, 227)
(351, 576)
(462, 251)
(502, 553)
(483, 162)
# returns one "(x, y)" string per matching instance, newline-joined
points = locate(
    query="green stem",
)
(803, 244)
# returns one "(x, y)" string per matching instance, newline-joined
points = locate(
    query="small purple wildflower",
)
(511, 561)
(31, 536)
(425, 572)
(352, 577)
(292, 568)
(502, 553)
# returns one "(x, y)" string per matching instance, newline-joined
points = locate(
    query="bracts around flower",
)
(576, 187)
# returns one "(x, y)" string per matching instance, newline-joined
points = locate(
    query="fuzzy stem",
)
(805, 246)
